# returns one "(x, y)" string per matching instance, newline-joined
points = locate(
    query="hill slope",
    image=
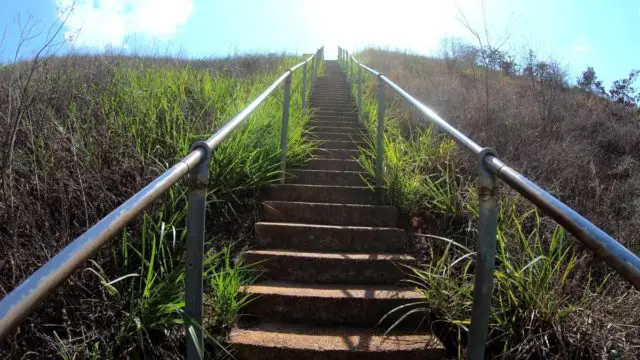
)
(552, 299)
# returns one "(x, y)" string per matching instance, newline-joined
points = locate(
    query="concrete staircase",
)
(331, 255)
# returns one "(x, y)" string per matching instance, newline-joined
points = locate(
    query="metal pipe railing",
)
(625, 262)
(20, 302)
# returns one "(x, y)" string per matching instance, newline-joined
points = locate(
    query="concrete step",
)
(318, 93)
(336, 97)
(326, 177)
(336, 122)
(330, 267)
(342, 117)
(333, 104)
(347, 145)
(338, 108)
(334, 165)
(334, 81)
(341, 89)
(324, 153)
(359, 305)
(333, 129)
(324, 101)
(337, 136)
(336, 112)
(320, 194)
(277, 341)
(329, 214)
(329, 237)
(335, 93)
(330, 86)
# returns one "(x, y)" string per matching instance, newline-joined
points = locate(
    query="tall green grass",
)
(419, 167)
(160, 111)
(533, 299)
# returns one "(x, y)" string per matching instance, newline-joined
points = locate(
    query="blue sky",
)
(603, 34)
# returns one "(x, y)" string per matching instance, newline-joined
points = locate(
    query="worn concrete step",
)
(317, 93)
(335, 122)
(325, 101)
(326, 177)
(276, 341)
(334, 129)
(329, 237)
(334, 165)
(337, 108)
(324, 153)
(331, 94)
(326, 105)
(321, 194)
(335, 112)
(331, 98)
(341, 89)
(330, 267)
(347, 145)
(329, 214)
(337, 136)
(360, 305)
(340, 84)
(350, 120)
(336, 80)
(343, 117)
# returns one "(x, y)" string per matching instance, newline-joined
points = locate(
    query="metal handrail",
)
(16, 305)
(624, 261)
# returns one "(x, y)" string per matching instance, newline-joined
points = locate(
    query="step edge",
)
(329, 204)
(335, 227)
(334, 255)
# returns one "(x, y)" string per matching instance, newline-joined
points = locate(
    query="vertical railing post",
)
(344, 62)
(198, 182)
(285, 125)
(485, 257)
(359, 93)
(304, 87)
(316, 66)
(380, 133)
(353, 80)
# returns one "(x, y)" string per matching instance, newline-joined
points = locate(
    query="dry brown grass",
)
(582, 148)
(585, 154)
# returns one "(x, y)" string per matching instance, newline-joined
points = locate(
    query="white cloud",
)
(581, 45)
(103, 23)
(580, 48)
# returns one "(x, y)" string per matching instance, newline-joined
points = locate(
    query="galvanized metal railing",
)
(625, 262)
(25, 297)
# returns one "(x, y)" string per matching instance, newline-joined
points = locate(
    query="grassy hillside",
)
(552, 299)
(80, 135)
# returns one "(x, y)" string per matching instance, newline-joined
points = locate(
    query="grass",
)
(548, 293)
(117, 122)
